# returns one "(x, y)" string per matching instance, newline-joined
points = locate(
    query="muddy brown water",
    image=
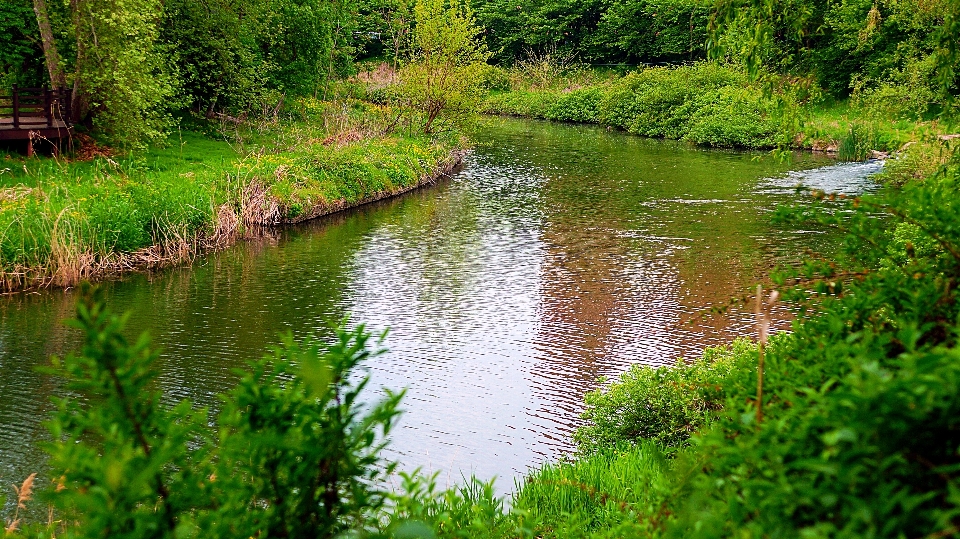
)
(558, 255)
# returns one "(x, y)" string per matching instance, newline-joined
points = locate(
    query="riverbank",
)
(66, 221)
(714, 105)
(851, 431)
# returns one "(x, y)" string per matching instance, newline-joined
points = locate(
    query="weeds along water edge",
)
(713, 105)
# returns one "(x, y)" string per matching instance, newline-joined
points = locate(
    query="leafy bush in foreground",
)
(861, 432)
(296, 455)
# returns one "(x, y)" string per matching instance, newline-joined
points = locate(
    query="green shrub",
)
(577, 106)
(889, 101)
(734, 117)
(665, 404)
(860, 429)
(706, 103)
(521, 103)
(297, 453)
(495, 78)
(916, 161)
(668, 97)
(872, 453)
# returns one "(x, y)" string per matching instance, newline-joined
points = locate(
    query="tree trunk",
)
(77, 96)
(57, 78)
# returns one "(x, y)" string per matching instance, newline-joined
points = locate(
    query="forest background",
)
(133, 64)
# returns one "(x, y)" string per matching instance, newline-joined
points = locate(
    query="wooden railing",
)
(33, 108)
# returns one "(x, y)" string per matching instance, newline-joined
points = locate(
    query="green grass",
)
(613, 493)
(61, 221)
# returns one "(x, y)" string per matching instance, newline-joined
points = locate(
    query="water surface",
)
(559, 254)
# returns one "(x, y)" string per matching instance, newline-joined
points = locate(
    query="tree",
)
(50, 53)
(120, 78)
(21, 58)
(905, 46)
(442, 82)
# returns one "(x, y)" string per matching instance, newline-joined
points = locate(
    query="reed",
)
(625, 486)
(24, 494)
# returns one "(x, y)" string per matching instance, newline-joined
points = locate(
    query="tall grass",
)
(619, 491)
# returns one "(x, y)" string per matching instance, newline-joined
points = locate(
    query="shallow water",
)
(559, 254)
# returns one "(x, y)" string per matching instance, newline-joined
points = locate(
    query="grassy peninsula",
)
(64, 221)
(714, 105)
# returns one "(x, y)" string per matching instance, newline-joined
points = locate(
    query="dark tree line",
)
(130, 63)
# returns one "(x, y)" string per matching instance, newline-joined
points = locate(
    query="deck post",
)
(46, 106)
(66, 104)
(16, 108)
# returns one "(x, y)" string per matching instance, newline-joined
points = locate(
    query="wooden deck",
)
(40, 114)
(55, 129)
(30, 113)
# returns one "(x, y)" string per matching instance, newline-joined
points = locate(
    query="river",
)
(558, 255)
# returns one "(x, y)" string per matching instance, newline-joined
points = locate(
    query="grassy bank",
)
(710, 104)
(62, 221)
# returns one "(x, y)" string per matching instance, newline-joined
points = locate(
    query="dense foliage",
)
(21, 61)
(296, 453)
(596, 31)
(704, 103)
(895, 50)
(133, 62)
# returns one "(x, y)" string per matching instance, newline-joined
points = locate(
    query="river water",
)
(559, 254)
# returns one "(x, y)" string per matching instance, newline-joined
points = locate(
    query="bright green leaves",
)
(441, 86)
(297, 453)
(121, 455)
(897, 48)
(21, 57)
(666, 405)
(120, 71)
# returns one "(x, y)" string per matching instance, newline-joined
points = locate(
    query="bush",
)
(577, 106)
(894, 101)
(666, 98)
(521, 103)
(860, 430)
(297, 453)
(735, 117)
(665, 405)
(706, 103)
